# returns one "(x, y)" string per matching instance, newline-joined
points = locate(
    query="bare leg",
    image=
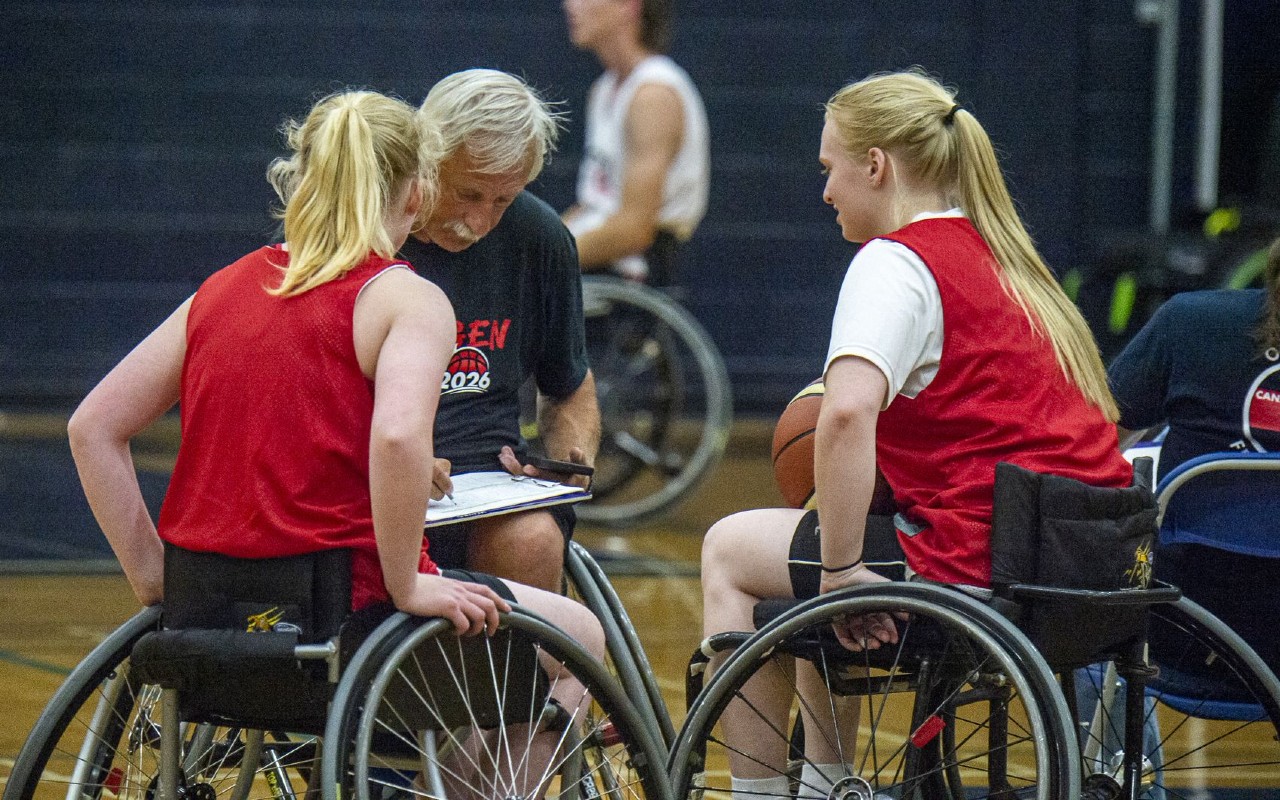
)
(830, 732)
(527, 547)
(744, 559)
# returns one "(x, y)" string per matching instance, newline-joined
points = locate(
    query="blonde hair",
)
(353, 150)
(500, 120)
(942, 145)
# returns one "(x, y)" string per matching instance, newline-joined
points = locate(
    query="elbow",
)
(837, 421)
(401, 434)
(83, 430)
(643, 235)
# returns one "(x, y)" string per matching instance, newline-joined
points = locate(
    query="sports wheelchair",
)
(978, 696)
(254, 680)
(666, 404)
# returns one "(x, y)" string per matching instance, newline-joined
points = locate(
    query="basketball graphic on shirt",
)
(468, 372)
(1262, 411)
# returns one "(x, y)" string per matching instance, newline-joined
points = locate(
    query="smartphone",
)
(562, 467)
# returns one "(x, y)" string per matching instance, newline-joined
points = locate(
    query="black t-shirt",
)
(1196, 366)
(517, 295)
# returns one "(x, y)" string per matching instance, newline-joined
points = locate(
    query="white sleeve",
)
(890, 313)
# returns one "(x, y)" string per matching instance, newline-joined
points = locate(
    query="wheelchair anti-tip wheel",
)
(666, 404)
(99, 738)
(422, 712)
(961, 707)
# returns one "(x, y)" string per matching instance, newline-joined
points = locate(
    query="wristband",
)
(845, 568)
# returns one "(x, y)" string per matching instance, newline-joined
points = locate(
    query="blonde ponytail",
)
(941, 144)
(352, 151)
(984, 198)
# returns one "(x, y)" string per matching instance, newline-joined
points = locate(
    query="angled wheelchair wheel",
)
(961, 707)
(626, 657)
(72, 750)
(422, 712)
(1211, 718)
(666, 404)
(99, 738)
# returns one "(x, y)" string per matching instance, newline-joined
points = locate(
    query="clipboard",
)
(477, 495)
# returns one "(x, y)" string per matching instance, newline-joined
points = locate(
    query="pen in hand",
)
(440, 480)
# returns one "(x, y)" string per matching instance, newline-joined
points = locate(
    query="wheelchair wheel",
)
(422, 712)
(665, 401)
(627, 659)
(70, 750)
(1211, 719)
(962, 706)
(99, 738)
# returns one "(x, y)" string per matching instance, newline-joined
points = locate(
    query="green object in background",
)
(1123, 297)
(1246, 274)
(1220, 221)
(1071, 284)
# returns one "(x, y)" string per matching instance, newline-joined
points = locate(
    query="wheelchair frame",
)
(932, 751)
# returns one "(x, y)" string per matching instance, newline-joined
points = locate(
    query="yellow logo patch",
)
(265, 621)
(1139, 574)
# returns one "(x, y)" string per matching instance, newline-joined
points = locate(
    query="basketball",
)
(793, 446)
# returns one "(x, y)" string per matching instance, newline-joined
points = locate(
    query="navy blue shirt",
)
(1196, 366)
(517, 295)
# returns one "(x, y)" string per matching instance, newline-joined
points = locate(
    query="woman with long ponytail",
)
(952, 349)
(309, 375)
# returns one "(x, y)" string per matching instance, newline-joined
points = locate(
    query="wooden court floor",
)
(48, 622)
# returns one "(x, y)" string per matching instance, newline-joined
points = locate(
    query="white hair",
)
(497, 117)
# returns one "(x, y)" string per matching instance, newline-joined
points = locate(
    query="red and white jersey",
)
(998, 395)
(276, 415)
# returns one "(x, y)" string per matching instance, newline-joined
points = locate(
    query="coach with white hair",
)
(510, 268)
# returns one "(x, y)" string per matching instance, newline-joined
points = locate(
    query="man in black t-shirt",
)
(510, 268)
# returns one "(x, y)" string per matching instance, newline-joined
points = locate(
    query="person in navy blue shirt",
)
(1208, 365)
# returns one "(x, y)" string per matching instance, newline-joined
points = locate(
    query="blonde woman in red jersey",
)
(308, 375)
(953, 347)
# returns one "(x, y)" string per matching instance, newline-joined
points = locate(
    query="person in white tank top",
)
(645, 174)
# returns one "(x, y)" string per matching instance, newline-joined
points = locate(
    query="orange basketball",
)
(793, 446)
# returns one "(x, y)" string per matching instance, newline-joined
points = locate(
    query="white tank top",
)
(684, 196)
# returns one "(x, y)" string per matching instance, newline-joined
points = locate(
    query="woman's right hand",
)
(865, 631)
(471, 607)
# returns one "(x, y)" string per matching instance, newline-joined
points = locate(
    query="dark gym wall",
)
(135, 135)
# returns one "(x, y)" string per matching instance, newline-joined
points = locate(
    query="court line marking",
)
(23, 661)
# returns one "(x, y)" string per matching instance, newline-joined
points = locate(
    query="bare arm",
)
(570, 426)
(141, 388)
(404, 332)
(845, 473)
(844, 461)
(653, 134)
